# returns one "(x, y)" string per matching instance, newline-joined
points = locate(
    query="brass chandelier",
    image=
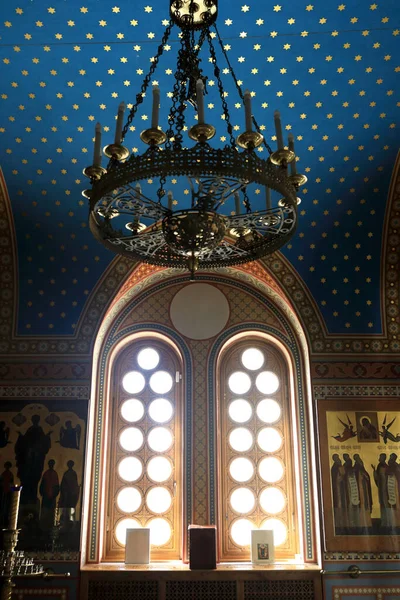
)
(219, 228)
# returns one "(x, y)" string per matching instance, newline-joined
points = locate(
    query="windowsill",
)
(177, 565)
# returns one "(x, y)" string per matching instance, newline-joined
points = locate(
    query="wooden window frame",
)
(288, 453)
(112, 550)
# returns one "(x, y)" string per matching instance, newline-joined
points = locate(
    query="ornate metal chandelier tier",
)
(125, 219)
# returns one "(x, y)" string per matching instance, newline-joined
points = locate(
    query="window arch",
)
(145, 446)
(257, 454)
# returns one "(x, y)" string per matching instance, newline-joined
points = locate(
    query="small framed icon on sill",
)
(262, 546)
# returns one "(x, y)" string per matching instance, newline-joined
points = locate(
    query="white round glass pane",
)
(160, 439)
(267, 382)
(241, 469)
(268, 410)
(252, 359)
(131, 439)
(242, 500)
(160, 531)
(241, 439)
(148, 358)
(269, 439)
(120, 530)
(161, 382)
(240, 410)
(241, 532)
(130, 468)
(278, 527)
(239, 382)
(161, 410)
(159, 469)
(132, 410)
(129, 499)
(133, 382)
(270, 469)
(158, 499)
(272, 500)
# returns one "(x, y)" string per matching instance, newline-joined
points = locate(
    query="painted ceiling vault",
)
(332, 69)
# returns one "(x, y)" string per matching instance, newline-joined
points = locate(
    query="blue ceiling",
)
(332, 69)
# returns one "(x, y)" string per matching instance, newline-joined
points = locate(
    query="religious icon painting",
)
(42, 448)
(360, 465)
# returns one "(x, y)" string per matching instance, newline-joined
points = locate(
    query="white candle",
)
(268, 198)
(247, 110)
(200, 100)
(156, 107)
(237, 203)
(120, 122)
(97, 146)
(170, 198)
(293, 168)
(278, 129)
(138, 189)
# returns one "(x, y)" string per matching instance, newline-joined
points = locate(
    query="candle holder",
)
(116, 151)
(249, 139)
(201, 132)
(13, 563)
(282, 157)
(94, 172)
(153, 136)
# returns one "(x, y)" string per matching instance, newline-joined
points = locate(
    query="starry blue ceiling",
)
(332, 70)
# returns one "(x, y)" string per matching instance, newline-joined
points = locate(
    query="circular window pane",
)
(252, 359)
(278, 527)
(132, 410)
(160, 531)
(240, 411)
(130, 468)
(133, 382)
(158, 499)
(159, 469)
(272, 500)
(120, 530)
(161, 382)
(129, 499)
(269, 439)
(160, 439)
(241, 439)
(239, 382)
(131, 439)
(161, 410)
(241, 532)
(267, 382)
(241, 469)
(270, 469)
(242, 500)
(148, 358)
(268, 410)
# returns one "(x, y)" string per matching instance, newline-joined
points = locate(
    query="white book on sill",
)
(137, 548)
(262, 546)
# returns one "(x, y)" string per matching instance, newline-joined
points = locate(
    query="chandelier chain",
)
(239, 89)
(217, 73)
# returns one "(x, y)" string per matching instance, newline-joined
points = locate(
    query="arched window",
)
(144, 470)
(257, 449)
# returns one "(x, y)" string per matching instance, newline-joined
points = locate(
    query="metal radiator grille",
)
(279, 590)
(123, 590)
(201, 590)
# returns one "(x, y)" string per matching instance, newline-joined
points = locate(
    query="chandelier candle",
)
(120, 123)
(293, 168)
(247, 110)
(170, 198)
(278, 129)
(156, 107)
(200, 100)
(97, 146)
